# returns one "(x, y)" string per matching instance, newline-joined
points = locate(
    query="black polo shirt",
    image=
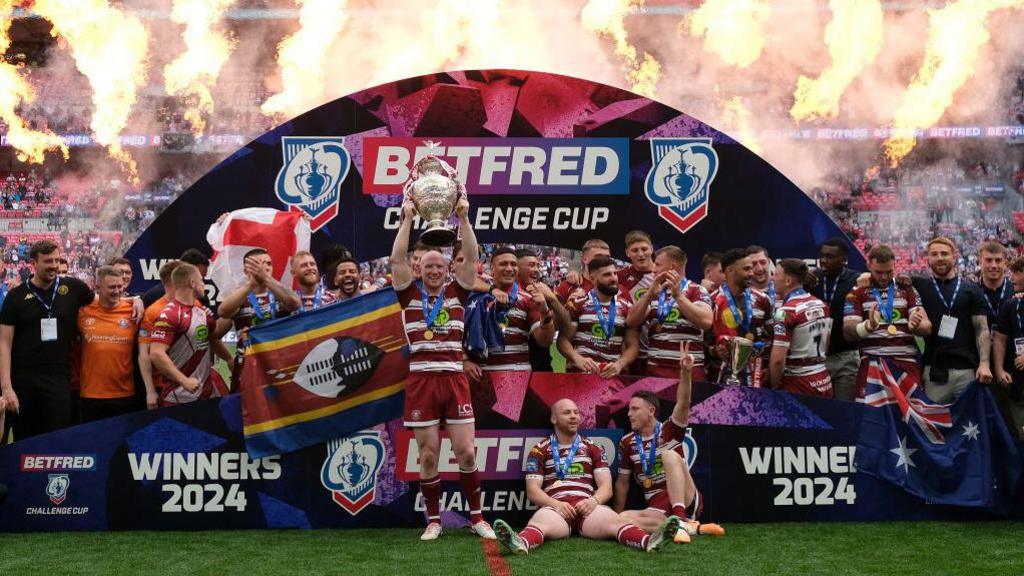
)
(838, 288)
(960, 353)
(994, 300)
(1010, 322)
(24, 310)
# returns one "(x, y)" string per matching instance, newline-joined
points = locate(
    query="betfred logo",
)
(574, 166)
(57, 462)
(500, 454)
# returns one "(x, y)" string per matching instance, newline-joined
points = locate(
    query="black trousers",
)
(99, 408)
(45, 404)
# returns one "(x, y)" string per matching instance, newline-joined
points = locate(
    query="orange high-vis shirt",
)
(108, 344)
(149, 319)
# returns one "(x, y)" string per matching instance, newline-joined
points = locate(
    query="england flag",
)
(281, 234)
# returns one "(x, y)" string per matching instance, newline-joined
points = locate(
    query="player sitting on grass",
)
(567, 476)
(653, 454)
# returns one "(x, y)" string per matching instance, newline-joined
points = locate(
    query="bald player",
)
(568, 478)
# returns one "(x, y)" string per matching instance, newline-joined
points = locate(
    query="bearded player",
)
(568, 478)
(654, 456)
(433, 311)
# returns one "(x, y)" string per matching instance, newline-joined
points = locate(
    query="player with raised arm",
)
(567, 477)
(653, 453)
(433, 312)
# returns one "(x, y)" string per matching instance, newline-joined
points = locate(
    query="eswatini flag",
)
(323, 374)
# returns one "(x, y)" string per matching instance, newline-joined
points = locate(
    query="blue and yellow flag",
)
(324, 374)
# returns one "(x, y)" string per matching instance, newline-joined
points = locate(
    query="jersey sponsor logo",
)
(62, 289)
(310, 179)
(337, 366)
(57, 488)
(780, 329)
(57, 462)
(350, 470)
(202, 333)
(565, 166)
(679, 182)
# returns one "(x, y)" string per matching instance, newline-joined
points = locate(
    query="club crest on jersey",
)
(57, 488)
(679, 181)
(350, 470)
(310, 179)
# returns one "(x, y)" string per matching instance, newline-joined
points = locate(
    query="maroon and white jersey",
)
(579, 479)
(665, 336)
(859, 304)
(186, 331)
(442, 352)
(671, 438)
(634, 282)
(803, 325)
(309, 300)
(522, 318)
(248, 318)
(590, 341)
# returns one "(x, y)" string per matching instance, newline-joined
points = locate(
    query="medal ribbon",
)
(513, 297)
(255, 303)
(799, 292)
(665, 303)
(316, 299)
(886, 309)
(647, 464)
(430, 313)
(607, 324)
(562, 467)
(744, 321)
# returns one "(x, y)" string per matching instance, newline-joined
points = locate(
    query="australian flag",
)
(959, 454)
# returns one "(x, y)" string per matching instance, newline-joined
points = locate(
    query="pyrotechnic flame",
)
(447, 31)
(956, 34)
(14, 90)
(854, 38)
(192, 74)
(110, 49)
(872, 173)
(736, 122)
(302, 57)
(607, 17)
(732, 29)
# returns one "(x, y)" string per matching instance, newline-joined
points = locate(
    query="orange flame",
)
(110, 49)
(956, 34)
(14, 90)
(607, 17)
(732, 29)
(736, 121)
(854, 38)
(192, 74)
(302, 57)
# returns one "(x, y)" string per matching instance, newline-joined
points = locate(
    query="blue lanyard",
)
(316, 299)
(742, 321)
(956, 290)
(771, 292)
(562, 466)
(799, 292)
(53, 296)
(607, 324)
(829, 295)
(257, 310)
(1020, 330)
(1002, 294)
(665, 303)
(430, 312)
(513, 297)
(647, 464)
(886, 309)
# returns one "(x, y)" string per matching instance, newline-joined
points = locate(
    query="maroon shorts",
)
(576, 525)
(661, 502)
(819, 385)
(698, 374)
(433, 396)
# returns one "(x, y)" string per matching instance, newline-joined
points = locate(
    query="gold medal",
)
(893, 330)
(648, 482)
(750, 336)
(428, 334)
(503, 325)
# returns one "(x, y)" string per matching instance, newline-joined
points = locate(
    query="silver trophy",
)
(434, 190)
(740, 351)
